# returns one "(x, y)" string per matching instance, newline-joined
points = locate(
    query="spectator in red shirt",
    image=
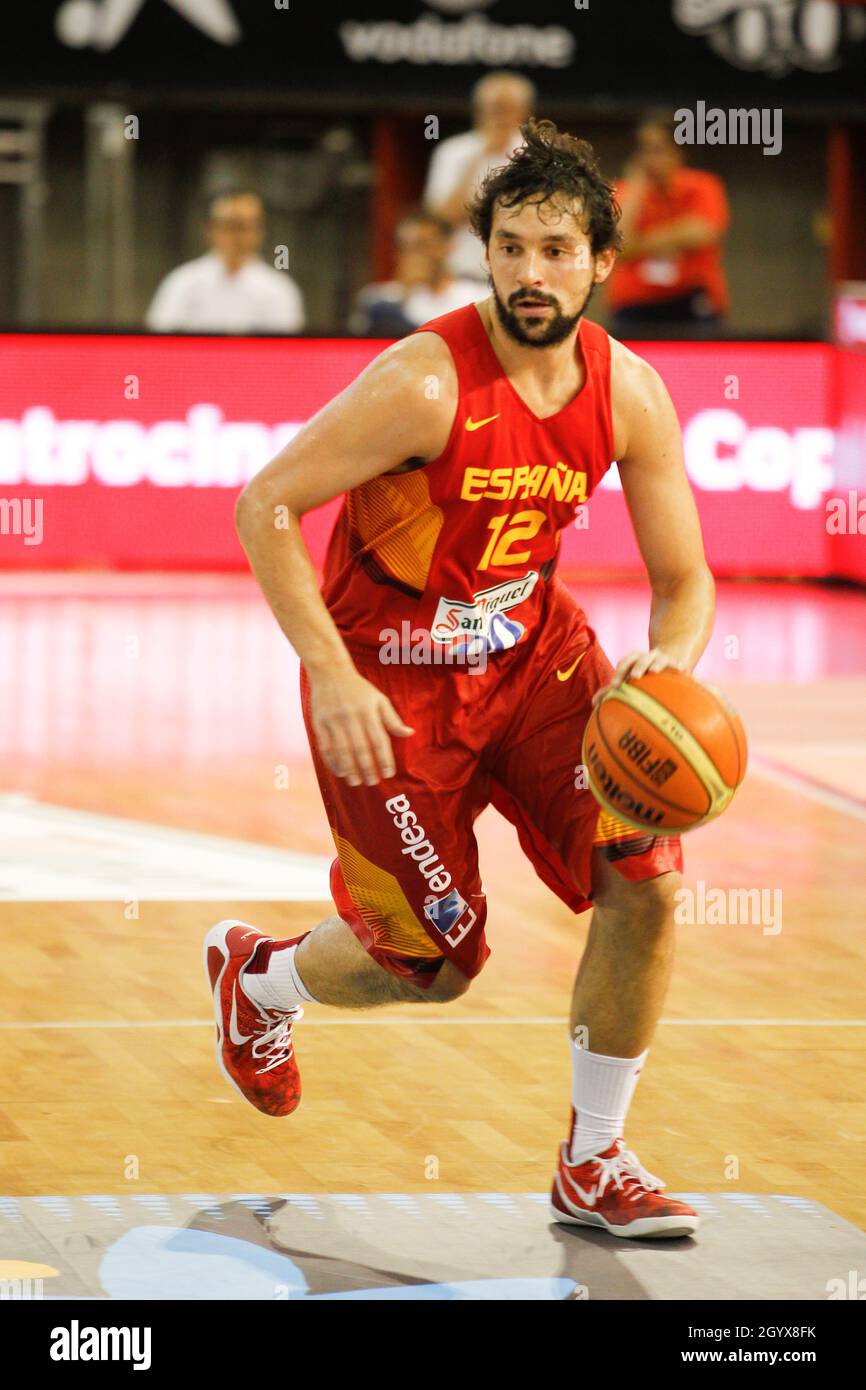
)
(669, 280)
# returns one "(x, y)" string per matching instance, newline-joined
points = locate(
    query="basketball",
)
(664, 752)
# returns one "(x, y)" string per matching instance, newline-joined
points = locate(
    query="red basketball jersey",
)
(461, 549)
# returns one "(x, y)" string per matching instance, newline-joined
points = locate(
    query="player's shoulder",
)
(408, 393)
(638, 395)
(419, 367)
(629, 372)
(416, 350)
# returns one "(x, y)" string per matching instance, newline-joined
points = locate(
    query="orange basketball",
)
(664, 752)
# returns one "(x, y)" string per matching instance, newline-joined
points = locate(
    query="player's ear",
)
(604, 263)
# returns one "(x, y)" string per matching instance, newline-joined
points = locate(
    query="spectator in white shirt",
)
(501, 102)
(423, 286)
(230, 289)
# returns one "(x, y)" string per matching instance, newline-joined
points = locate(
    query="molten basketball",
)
(664, 752)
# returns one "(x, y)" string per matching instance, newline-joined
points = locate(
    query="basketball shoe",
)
(253, 1045)
(613, 1191)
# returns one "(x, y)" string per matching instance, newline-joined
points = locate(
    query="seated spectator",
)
(422, 288)
(669, 273)
(501, 102)
(230, 289)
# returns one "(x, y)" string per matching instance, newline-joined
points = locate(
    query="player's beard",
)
(556, 330)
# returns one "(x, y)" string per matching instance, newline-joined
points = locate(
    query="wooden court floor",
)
(755, 1081)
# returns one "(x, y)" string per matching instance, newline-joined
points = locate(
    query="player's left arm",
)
(648, 444)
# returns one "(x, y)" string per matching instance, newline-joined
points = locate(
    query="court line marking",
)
(810, 787)
(452, 1022)
(51, 853)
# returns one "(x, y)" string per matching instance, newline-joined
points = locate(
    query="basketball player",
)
(463, 451)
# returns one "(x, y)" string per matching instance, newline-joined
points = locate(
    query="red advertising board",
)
(846, 507)
(129, 451)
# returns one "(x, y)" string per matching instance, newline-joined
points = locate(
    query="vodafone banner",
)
(129, 451)
(762, 53)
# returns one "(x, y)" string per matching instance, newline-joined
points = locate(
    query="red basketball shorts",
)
(406, 876)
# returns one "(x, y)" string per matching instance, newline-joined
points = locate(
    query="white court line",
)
(453, 1022)
(60, 854)
(771, 771)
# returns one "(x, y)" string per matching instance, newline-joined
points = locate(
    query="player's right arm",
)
(378, 422)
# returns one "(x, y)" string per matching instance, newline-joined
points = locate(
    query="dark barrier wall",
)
(375, 52)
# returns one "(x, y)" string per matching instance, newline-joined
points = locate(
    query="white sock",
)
(279, 986)
(601, 1094)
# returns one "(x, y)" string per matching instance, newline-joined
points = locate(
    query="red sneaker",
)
(254, 1045)
(613, 1191)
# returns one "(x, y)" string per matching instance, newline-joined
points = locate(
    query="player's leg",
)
(626, 966)
(630, 877)
(337, 970)
(621, 984)
(410, 912)
(618, 996)
(260, 987)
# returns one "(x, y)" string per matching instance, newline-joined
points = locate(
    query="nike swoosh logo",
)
(237, 1038)
(476, 424)
(590, 1198)
(564, 675)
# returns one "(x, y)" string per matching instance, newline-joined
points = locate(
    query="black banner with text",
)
(383, 53)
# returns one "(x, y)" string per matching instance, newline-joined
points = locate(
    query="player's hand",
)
(638, 664)
(352, 721)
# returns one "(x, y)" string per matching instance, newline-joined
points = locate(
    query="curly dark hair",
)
(551, 166)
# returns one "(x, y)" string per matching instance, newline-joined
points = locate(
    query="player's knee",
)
(655, 898)
(449, 984)
(647, 905)
(454, 984)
